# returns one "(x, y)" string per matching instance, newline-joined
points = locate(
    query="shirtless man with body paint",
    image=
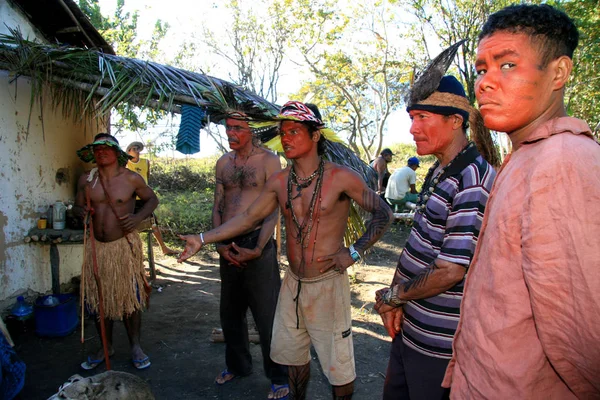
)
(314, 302)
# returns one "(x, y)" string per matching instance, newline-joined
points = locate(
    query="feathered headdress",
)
(434, 92)
(227, 102)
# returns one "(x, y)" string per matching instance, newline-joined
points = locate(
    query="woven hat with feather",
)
(438, 93)
(291, 111)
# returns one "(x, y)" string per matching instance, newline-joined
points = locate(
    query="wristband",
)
(354, 254)
(202, 238)
(391, 298)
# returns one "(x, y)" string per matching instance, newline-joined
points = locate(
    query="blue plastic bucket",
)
(57, 319)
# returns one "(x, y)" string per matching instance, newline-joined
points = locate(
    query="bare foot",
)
(169, 252)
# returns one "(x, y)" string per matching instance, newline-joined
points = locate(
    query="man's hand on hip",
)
(129, 222)
(338, 261)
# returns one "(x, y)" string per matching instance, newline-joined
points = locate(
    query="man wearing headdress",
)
(529, 325)
(248, 262)
(112, 189)
(314, 301)
(420, 309)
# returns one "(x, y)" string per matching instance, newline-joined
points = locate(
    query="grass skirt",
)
(122, 276)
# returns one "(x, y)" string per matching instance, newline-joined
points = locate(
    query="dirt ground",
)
(176, 335)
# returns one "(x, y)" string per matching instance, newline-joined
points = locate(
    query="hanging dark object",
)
(188, 138)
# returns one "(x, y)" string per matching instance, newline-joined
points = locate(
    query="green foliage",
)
(121, 31)
(176, 176)
(185, 212)
(583, 91)
(402, 152)
(356, 86)
(185, 189)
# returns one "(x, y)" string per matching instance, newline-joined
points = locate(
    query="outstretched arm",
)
(264, 205)
(356, 188)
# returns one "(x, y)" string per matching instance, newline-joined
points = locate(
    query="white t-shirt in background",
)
(399, 183)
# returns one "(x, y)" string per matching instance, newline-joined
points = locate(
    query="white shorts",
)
(323, 318)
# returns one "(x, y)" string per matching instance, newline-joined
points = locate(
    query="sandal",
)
(276, 388)
(91, 364)
(225, 373)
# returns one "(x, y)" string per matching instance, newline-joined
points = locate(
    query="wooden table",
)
(55, 237)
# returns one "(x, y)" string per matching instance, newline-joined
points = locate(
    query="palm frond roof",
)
(110, 80)
(89, 83)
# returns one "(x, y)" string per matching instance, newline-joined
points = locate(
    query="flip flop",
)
(225, 373)
(275, 390)
(142, 364)
(91, 364)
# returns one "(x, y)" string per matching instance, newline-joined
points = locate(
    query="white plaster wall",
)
(29, 160)
(12, 18)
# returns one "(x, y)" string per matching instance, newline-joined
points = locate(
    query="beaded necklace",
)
(304, 229)
(302, 183)
(431, 183)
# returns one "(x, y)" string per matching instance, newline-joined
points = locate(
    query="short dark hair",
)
(549, 27)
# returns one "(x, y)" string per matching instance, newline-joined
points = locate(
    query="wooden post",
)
(151, 257)
(55, 268)
(278, 235)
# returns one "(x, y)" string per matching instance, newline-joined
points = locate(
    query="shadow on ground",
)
(176, 335)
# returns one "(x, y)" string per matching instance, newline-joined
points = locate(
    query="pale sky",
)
(186, 19)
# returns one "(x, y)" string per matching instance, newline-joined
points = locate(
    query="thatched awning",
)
(90, 83)
(108, 80)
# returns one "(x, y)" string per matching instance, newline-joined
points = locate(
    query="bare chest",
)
(249, 175)
(321, 202)
(119, 191)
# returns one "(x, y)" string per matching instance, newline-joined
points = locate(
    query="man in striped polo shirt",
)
(423, 302)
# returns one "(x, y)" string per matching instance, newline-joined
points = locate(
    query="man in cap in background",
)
(401, 186)
(142, 167)
(420, 309)
(111, 189)
(380, 165)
